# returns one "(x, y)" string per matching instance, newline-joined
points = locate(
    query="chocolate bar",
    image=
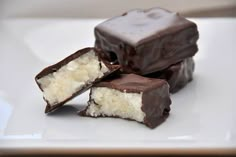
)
(72, 76)
(130, 96)
(147, 41)
(177, 75)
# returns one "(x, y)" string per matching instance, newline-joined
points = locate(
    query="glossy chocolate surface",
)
(177, 75)
(55, 67)
(155, 95)
(146, 41)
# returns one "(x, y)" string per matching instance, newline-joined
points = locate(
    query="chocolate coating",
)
(155, 95)
(146, 41)
(57, 66)
(177, 75)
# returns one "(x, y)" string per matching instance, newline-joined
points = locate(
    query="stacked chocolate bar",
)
(139, 57)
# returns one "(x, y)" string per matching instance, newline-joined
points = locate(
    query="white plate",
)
(202, 117)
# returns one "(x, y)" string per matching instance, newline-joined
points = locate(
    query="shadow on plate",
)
(67, 110)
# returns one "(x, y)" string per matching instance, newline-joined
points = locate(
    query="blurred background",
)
(108, 8)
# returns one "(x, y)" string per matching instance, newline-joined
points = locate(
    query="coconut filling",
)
(110, 102)
(72, 77)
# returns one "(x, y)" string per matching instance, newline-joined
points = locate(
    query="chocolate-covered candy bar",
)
(146, 41)
(132, 97)
(177, 75)
(72, 76)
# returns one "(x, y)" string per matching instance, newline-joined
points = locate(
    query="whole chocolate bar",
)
(132, 97)
(177, 75)
(146, 41)
(72, 76)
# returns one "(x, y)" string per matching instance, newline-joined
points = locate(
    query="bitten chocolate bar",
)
(147, 41)
(132, 97)
(72, 76)
(177, 75)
